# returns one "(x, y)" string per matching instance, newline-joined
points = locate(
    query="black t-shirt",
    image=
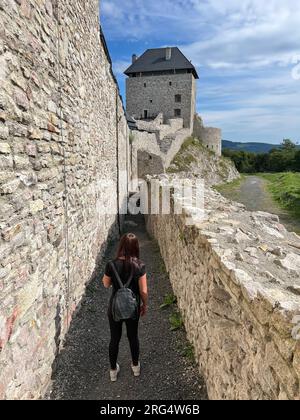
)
(139, 270)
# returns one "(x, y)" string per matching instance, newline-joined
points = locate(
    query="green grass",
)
(230, 186)
(285, 189)
(185, 156)
(190, 142)
(181, 163)
(188, 352)
(169, 300)
(176, 321)
(190, 149)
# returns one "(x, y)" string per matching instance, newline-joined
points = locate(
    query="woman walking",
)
(127, 277)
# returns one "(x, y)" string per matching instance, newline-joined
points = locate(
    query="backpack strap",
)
(116, 275)
(119, 279)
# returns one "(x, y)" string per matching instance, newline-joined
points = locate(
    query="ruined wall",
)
(236, 277)
(146, 156)
(159, 128)
(175, 145)
(211, 137)
(140, 91)
(150, 156)
(58, 140)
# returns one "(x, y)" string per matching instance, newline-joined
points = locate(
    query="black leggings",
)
(116, 334)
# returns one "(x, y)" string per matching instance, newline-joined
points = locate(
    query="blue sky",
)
(245, 52)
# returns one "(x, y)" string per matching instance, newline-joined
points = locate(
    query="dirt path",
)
(253, 193)
(82, 368)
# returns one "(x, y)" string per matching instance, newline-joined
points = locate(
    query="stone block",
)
(6, 162)
(21, 162)
(35, 134)
(28, 178)
(4, 133)
(5, 149)
(25, 9)
(52, 107)
(9, 233)
(36, 206)
(29, 295)
(10, 187)
(49, 7)
(291, 262)
(22, 101)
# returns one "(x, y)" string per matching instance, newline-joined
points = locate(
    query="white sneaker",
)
(114, 374)
(136, 370)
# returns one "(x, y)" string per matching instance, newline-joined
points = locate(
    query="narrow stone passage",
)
(82, 368)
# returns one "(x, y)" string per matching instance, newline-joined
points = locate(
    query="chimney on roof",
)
(134, 58)
(168, 53)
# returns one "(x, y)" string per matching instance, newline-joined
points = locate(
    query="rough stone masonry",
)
(60, 120)
(62, 134)
(236, 277)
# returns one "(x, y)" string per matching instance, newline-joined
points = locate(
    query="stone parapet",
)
(236, 275)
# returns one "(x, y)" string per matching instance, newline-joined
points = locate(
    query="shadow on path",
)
(82, 368)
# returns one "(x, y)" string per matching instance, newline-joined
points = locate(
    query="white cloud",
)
(262, 106)
(244, 51)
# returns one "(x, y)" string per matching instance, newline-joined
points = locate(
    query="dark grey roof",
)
(154, 60)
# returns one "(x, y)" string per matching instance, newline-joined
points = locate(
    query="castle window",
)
(177, 112)
(145, 84)
(151, 101)
(145, 114)
(170, 83)
(178, 99)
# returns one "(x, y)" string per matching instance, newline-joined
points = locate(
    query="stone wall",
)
(140, 91)
(236, 277)
(211, 137)
(172, 126)
(144, 146)
(150, 156)
(58, 140)
(175, 144)
(158, 127)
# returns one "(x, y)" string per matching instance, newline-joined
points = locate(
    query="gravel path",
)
(82, 367)
(253, 193)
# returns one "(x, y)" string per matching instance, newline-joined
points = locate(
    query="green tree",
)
(262, 162)
(288, 144)
(297, 161)
(282, 159)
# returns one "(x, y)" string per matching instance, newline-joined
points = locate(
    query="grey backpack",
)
(124, 304)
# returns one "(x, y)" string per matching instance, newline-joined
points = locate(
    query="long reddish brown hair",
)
(129, 248)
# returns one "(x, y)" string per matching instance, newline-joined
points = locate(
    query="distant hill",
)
(250, 147)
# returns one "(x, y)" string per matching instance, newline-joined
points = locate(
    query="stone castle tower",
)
(163, 81)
